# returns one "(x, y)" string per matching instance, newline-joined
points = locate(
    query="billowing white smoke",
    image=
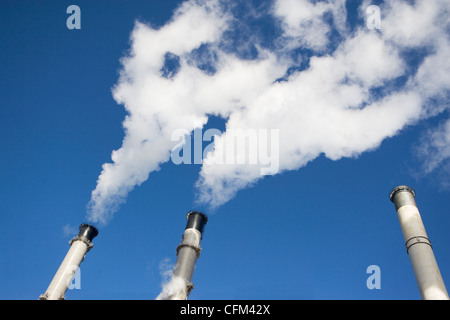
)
(320, 87)
(173, 287)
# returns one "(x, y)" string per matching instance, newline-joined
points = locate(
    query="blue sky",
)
(308, 232)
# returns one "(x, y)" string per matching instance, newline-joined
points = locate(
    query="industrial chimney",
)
(418, 246)
(187, 254)
(79, 246)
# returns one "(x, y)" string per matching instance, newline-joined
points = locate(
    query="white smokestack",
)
(188, 252)
(79, 246)
(418, 245)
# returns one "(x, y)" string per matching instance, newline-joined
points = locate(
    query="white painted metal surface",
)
(79, 246)
(63, 277)
(418, 246)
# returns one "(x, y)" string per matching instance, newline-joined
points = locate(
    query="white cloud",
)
(434, 152)
(320, 111)
(417, 24)
(432, 80)
(344, 103)
(156, 105)
(304, 22)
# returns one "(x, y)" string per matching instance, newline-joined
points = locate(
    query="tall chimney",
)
(187, 254)
(418, 246)
(79, 246)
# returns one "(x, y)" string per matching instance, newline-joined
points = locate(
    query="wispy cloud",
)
(69, 230)
(434, 153)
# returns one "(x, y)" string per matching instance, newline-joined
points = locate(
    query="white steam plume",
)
(324, 86)
(171, 286)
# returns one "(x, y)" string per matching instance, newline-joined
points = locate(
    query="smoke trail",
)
(157, 102)
(324, 85)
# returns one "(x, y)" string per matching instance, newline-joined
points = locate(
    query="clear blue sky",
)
(309, 233)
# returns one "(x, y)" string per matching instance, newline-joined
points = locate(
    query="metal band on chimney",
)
(417, 240)
(196, 248)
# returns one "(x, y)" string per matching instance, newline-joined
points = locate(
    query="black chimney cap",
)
(87, 231)
(196, 220)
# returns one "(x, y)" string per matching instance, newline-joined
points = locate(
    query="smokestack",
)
(79, 246)
(188, 252)
(418, 246)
